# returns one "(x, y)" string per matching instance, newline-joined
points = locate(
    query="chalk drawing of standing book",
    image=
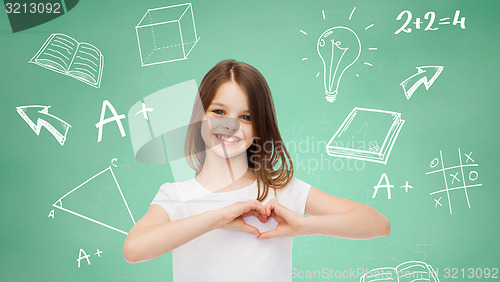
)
(366, 134)
(409, 271)
(63, 54)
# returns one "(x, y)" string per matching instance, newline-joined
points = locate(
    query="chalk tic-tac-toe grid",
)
(458, 179)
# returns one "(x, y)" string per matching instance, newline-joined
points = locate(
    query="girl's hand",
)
(232, 216)
(289, 222)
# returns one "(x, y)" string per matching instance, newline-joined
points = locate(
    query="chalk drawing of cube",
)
(166, 34)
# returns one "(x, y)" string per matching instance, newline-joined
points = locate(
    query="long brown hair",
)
(267, 156)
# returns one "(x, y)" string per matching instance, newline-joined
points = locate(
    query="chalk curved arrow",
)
(421, 77)
(41, 115)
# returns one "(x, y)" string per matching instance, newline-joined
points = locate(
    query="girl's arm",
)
(334, 216)
(328, 215)
(155, 235)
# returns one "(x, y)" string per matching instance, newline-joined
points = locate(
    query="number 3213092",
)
(33, 8)
(472, 273)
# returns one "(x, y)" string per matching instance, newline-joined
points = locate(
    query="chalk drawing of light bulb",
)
(339, 48)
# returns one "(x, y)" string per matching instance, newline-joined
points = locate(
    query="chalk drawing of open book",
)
(63, 54)
(409, 271)
(375, 131)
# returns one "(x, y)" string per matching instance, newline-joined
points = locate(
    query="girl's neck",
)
(225, 173)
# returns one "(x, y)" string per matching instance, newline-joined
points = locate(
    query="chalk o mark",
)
(470, 175)
(434, 162)
(113, 162)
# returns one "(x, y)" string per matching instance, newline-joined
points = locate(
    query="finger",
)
(262, 218)
(270, 209)
(250, 229)
(281, 211)
(269, 203)
(248, 206)
(247, 214)
(254, 205)
(269, 234)
(257, 206)
(250, 213)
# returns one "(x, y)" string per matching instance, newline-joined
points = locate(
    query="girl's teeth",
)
(227, 139)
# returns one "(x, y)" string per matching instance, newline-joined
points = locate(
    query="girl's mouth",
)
(228, 140)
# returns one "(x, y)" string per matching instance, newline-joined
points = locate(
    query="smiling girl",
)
(235, 220)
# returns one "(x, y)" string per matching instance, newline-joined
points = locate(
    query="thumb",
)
(250, 229)
(268, 234)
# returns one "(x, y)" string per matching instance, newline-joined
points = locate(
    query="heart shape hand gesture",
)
(289, 223)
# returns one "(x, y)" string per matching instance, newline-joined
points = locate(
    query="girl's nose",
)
(230, 124)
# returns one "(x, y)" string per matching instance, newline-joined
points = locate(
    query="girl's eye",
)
(218, 112)
(246, 117)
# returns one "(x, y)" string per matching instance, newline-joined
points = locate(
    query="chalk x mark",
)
(437, 202)
(454, 177)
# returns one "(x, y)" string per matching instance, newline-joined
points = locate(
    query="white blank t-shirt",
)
(228, 255)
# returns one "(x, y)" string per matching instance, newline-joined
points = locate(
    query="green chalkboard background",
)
(459, 111)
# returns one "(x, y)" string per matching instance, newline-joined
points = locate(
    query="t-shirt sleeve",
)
(297, 194)
(164, 199)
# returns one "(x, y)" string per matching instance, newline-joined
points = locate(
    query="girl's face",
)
(227, 127)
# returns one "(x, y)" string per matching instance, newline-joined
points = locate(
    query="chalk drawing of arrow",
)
(41, 115)
(413, 82)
